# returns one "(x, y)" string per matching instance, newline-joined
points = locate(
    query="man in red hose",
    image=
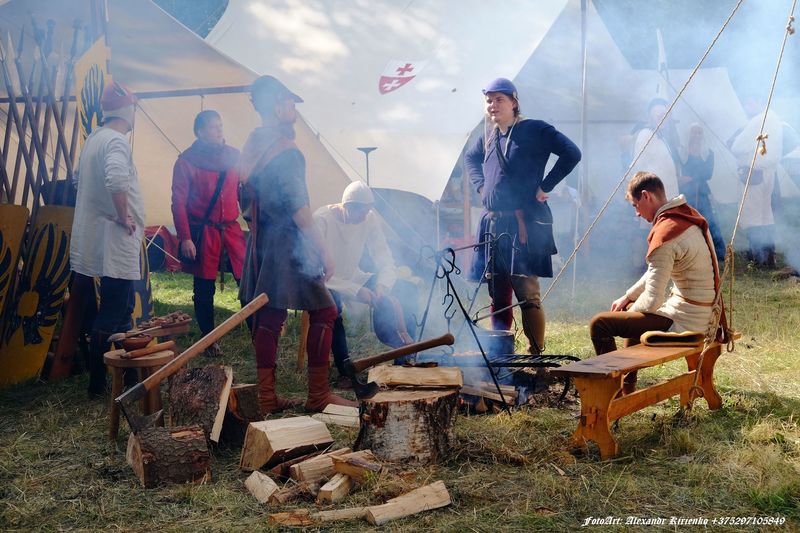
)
(286, 255)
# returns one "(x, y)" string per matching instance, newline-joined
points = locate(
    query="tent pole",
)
(582, 176)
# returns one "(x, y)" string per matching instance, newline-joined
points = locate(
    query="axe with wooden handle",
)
(368, 390)
(127, 399)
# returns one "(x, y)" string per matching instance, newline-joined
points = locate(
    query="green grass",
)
(58, 470)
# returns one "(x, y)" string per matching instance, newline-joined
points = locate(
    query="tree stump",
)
(242, 409)
(402, 425)
(200, 396)
(169, 455)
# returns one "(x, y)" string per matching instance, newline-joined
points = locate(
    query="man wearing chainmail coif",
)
(507, 167)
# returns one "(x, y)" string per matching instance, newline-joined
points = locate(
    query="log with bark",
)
(295, 491)
(242, 409)
(271, 442)
(169, 455)
(403, 425)
(200, 396)
(357, 465)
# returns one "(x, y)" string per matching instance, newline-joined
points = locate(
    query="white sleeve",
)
(659, 272)
(118, 171)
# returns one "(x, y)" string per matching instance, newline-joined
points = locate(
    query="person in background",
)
(351, 229)
(108, 226)
(758, 220)
(697, 168)
(661, 155)
(507, 167)
(286, 256)
(679, 250)
(205, 210)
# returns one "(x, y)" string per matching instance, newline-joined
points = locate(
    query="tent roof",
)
(151, 51)
(334, 53)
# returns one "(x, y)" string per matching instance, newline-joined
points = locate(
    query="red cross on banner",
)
(397, 73)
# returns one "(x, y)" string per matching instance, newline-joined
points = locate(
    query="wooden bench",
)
(599, 380)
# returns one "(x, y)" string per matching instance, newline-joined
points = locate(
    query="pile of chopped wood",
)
(291, 459)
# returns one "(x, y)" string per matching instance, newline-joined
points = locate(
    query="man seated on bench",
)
(679, 249)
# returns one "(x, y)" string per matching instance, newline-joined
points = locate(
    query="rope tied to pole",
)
(761, 148)
(762, 144)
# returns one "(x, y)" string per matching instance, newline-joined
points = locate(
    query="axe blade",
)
(126, 402)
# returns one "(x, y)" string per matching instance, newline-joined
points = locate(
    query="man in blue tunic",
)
(506, 166)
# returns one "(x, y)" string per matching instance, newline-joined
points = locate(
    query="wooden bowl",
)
(136, 342)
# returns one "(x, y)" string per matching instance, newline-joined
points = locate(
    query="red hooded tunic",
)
(194, 179)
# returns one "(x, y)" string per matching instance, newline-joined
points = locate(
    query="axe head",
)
(363, 390)
(137, 422)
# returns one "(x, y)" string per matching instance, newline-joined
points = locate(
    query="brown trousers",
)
(627, 324)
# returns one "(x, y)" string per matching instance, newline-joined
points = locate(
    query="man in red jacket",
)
(205, 209)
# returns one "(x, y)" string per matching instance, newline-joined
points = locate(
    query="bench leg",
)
(596, 397)
(706, 380)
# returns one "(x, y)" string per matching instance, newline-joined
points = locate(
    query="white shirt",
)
(686, 261)
(99, 246)
(347, 243)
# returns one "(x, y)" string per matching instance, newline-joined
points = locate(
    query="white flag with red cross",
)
(397, 73)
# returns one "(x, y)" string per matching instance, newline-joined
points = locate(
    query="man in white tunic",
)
(680, 250)
(109, 224)
(350, 229)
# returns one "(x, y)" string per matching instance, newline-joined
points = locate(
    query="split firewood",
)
(284, 470)
(339, 514)
(274, 441)
(487, 394)
(169, 455)
(425, 498)
(400, 376)
(406, 425)
(242, 409)
(261, 486)
(200, 396)
(304, 517)
(316, 468)
(334, 490)
(296, 518)
(294, 491)
(357, 465)
(339, 415)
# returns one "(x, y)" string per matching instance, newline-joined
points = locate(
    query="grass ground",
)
(59, 471)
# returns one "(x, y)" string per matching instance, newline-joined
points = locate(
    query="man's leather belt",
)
(693, 302)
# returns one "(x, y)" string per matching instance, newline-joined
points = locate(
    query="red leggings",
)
(267, 331)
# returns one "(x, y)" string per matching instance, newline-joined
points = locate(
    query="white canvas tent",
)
(335, 53)
(170, 67)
